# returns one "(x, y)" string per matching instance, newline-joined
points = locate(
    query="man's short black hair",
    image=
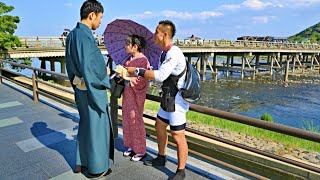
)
(172, 26)
(90, 6)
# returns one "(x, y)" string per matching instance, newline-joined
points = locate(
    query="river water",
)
(292, 104)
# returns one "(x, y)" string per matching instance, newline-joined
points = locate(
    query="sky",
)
(208, 19)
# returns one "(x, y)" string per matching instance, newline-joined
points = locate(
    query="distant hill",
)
(312, 33)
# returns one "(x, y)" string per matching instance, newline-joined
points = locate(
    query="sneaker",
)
(128, 152)
(179, 175)
(159, 161)
(138, 157)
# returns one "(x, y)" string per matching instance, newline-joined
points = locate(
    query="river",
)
(291, 104)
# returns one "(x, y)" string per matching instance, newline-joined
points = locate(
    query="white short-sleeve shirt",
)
(174, 64)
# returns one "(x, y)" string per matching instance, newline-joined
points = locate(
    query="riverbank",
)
(274, 143)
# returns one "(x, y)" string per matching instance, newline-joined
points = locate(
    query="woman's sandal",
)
(138, 157)
(128, 152)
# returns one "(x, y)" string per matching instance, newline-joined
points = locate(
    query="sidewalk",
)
(37, 141)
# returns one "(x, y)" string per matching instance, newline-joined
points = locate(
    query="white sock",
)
(139, 155)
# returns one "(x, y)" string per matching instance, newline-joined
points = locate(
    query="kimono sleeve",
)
(96, 78)
(138, 82)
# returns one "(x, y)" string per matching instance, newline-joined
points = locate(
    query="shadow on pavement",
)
(55, 140)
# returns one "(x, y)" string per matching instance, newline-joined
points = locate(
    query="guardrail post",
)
(35, 86)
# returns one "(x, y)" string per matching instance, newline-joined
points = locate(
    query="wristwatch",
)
(136, 72)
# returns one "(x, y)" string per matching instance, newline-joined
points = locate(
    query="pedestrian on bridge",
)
(87, 72)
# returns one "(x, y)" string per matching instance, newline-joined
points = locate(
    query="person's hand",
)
(108, 71)
(119, 69)
(131, 70)
(122, 72)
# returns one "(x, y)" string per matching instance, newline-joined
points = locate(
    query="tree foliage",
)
(312, 33)
(8, 24)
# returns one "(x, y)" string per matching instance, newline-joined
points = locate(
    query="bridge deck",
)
(37, 141)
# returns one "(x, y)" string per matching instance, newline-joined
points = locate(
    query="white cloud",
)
(175, 14)
(260, 4)
(257, 4)
(252, 4)
(147, 13)
(297, 3)
(262, 19)
(230, 6)
(207, 14)
(191, 15)
(179, 15)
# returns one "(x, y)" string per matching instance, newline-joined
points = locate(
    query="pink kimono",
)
(134, 95)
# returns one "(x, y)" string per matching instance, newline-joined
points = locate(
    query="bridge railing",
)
(42, 41)
(295, 132)
(56, 41)
(244, 44)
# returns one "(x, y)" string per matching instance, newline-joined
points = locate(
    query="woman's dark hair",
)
(171, 25)
(90, 6)
(136, 40)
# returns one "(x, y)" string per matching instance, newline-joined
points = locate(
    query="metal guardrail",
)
(295, 132)
(56, 41)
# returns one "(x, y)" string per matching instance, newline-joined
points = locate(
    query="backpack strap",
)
(179, 76)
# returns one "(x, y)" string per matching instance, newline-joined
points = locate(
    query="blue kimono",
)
(95, 145)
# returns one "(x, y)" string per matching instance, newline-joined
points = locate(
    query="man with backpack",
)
(171, 73)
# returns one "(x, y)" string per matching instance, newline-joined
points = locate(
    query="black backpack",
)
(192, 88)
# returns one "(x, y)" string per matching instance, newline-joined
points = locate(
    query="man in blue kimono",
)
(87, 73)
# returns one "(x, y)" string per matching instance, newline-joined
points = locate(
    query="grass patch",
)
(198, 118)
(266, 117)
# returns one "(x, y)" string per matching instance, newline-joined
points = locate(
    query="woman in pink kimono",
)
(134, 95)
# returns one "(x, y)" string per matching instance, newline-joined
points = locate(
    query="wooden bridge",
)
(255, 56)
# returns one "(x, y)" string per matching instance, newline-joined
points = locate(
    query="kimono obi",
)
(79, 83)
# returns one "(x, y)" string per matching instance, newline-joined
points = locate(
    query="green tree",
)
(312, 33)
(8, 24)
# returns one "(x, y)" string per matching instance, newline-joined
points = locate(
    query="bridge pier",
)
(228, 65)
(42, 66)
(52, 65)
(257, 64)
(201, 63)
(52, 61)
(63, 66)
